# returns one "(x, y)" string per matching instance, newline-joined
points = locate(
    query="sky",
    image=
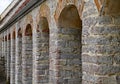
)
(4, 4)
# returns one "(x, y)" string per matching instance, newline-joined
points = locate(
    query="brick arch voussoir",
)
(44, 12)
(28, 20)
(63, 3)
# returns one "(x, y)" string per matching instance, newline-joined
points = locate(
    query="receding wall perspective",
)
(60, 42)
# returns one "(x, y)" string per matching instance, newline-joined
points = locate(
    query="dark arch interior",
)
(69, 17)
(9, 37)
(5, 38)
(13, 35)
(19, 32)
(28, 31)
(43, 25)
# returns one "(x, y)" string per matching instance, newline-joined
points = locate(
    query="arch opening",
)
(42, 45)
(28, 31)
(69, 17)
(27, 55)
(70, 33)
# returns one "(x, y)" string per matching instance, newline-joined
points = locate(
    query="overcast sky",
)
(4, 4)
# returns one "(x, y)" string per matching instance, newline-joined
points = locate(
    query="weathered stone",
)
(61, 42)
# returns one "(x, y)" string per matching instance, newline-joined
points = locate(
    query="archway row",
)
(68, 54)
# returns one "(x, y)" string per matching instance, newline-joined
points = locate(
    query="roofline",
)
(30, 6)
(11, 6)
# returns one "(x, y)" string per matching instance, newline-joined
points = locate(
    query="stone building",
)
(60, 42)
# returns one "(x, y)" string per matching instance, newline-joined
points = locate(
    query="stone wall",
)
(18, 63)
(2, 63)
(13, 58)
(100, 48)
(2, 70)
(63, 42)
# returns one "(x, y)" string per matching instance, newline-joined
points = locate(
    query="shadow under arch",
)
(28, 30)
(13, 35)
(69, 17)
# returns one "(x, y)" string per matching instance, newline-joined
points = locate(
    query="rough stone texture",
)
(100, 48)
(2, 70)
(18, 61)
(13, 58)
(42, 57)
(8, 58)
(5, 54)
(66, 42)
(69, 59)
(27, 60)
(2, 63)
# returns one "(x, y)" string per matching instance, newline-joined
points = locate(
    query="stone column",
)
(8, 57)
(65, 49)
(1, 45)
(18, 60)
(13, 58)
(100, 47)
(41, 53)
(27, 59)
(5, 54)
(2, 65)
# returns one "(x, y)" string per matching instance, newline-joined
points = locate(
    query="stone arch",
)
(69, 17)
(108, 7)
(42, 47)
(43, 25)
(98, 4)
(27, 55)
(79, 4)
(70, 29)
(19, 57)
(44, 11)
(29, 19)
